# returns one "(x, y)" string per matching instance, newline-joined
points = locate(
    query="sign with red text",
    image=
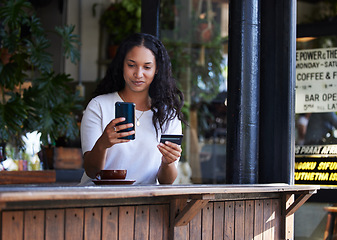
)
(316, 80)
(316, 164)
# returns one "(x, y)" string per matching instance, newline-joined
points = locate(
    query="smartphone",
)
(126, 110)
(175, 138)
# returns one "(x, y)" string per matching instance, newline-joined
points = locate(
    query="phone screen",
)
(126, 110)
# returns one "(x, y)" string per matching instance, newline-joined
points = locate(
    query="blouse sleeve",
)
(91, 126)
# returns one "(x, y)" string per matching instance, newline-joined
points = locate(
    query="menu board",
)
(316, 164)
(316, 80)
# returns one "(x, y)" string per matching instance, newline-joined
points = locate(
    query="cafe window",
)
(195, 34)
(316, 95)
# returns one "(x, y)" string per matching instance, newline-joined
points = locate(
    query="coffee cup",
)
(111, 174)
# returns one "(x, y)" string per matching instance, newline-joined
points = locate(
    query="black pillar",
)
(243, 92)
(150, 17)
(277, 124)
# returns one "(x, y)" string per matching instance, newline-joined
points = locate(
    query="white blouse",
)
(141, 156)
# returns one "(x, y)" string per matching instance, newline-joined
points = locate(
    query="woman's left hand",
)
(171, 152)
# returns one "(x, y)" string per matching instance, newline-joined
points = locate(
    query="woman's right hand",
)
(94, 160)
(111, 136)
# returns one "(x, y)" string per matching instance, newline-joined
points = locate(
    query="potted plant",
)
(119, 20)
(32, 96)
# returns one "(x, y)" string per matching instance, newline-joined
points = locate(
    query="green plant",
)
(121, 19)
(32, 96)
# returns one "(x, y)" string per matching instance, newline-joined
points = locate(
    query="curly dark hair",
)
(166, 99)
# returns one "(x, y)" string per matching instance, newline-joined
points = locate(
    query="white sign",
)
(316, 80)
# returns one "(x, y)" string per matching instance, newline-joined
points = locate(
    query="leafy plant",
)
(32, 96)
(121, 19)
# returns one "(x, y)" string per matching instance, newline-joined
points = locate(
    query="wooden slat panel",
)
(277, 219)
(12, 225)
(249, 219)
(268, 218)
(219, 211)
(110, 223)
(126, 222)
(34, 218)
(156, 222)
(55, 224)
(74, 224)
(239, 229)
(92, 223)
(258, 220)
(207, 222)
(194, 227)
(142, 222)
(229, 220)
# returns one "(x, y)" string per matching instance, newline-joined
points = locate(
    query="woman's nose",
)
(138, 73)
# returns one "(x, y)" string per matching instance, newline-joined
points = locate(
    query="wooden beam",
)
(191, 209)
(299, 202)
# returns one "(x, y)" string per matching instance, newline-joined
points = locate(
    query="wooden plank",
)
(218, 222)
(207, 222)
(74, 223)
(156, 222)
(126, 222)
(34, 218)
(55, 224)
(239, 228)
(92, 223)
(229, 221)
(268, 218)
(110, 223)
(142, 222)
(182, 232)
(166, 210)
(278, 218)
(289, 220)
(249, 219)
(26, 177)
(12, 225)
(258, 220)
(195, 227)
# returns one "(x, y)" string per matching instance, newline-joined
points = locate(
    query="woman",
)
(140, 73)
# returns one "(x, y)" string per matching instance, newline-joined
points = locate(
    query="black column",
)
(277, 124)
(243, 92)
(150, 17)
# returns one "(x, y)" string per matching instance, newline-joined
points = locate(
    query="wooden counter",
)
(151, 212)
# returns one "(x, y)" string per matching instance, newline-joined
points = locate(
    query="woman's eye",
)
(131, 65)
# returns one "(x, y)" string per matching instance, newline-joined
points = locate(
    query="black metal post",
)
(277, 124)
(150, 17)
(243, 92)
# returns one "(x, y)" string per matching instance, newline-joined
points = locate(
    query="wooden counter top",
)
(59, 192)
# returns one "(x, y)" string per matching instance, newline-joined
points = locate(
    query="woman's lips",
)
(137, 83)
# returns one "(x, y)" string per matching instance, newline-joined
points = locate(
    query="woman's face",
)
(139, 69)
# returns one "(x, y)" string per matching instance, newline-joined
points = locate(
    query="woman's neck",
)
(142, 100)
